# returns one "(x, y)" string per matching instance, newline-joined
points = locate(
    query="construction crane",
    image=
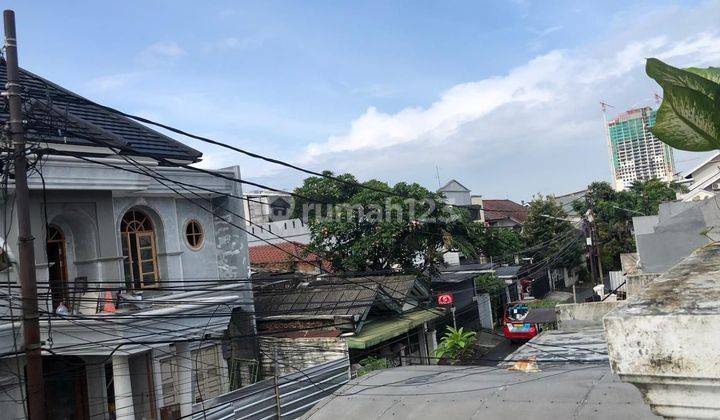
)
(604, 106)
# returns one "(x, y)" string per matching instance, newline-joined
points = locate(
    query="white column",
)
(157, 378)
(431, 341)
(185, 389)
(95, 377)
(124, 408)
(422, 341)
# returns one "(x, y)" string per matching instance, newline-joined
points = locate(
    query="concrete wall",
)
(637, 282)
(457, 198)
(573, 315)
(292, 230)
(664, 240)
(293, 354)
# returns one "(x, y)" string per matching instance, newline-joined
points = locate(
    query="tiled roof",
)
(503, 209)
(60, 116)
(268, 254)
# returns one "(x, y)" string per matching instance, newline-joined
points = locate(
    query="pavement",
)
(502, 350)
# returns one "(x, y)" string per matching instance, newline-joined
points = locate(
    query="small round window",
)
(194, 234)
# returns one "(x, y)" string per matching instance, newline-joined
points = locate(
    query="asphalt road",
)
(500, 352)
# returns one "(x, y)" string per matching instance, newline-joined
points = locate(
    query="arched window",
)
(139, 249)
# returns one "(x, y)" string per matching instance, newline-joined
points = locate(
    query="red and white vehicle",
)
(514, 326)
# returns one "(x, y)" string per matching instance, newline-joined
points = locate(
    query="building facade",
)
(267, 206)
(637, 155)
(137, 283)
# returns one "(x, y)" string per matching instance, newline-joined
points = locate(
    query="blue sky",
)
(502, 96)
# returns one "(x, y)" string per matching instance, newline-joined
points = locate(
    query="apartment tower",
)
(636, 153)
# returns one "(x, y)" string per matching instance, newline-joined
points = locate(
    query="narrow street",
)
(500, 352)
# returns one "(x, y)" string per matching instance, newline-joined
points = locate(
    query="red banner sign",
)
(445, 299)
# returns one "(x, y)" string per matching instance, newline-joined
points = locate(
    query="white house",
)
(150, 279)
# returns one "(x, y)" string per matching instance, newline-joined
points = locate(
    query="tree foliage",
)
(549, 231)
(361, 230)
(372, 363)
(493, 286)
(366, 230)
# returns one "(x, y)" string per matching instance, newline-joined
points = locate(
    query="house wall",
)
(293, 354)
(503, 223)
(457, 198)
(277, 232)
(90, 220)
(664, 240)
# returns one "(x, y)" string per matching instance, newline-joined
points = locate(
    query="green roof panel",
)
(376, 332)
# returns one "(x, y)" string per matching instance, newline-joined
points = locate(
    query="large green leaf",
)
(667, 75)
(710, 73)
(687, 120)
(689, 117)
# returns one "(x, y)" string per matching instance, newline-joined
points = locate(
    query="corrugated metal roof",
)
(583, 345)
(331, 295)
(61, 116)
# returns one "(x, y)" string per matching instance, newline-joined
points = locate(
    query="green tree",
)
(549, 229)
(613, 212)
(493, 286)
(402, 227)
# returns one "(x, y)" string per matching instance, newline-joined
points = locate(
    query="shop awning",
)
(375, 332)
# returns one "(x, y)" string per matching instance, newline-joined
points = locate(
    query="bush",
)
(456, 344)
(372, 363)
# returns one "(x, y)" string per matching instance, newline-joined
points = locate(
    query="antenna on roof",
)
(437, 174)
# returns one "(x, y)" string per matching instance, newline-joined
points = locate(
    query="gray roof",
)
(477, 392)
(453, 186)
(508, 271)
(332, 296)
(453, 277)
(584, 345)
(468, 267)
(57, 115)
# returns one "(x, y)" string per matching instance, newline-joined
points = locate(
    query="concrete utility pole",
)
(26, 251)
(593, 247)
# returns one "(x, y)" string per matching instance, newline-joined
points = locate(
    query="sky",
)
(502, 96)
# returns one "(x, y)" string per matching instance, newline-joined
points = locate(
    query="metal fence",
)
(287, 398)
(616, 278)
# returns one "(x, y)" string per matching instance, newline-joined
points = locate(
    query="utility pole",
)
(26, 251)
(593, 247)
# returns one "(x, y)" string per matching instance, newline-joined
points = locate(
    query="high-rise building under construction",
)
(636, 153)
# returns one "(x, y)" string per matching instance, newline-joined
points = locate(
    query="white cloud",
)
(549, 103)
(112, 82)
(238, 43)
(541, 33)
(161, 53)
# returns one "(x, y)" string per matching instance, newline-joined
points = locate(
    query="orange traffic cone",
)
(109, 306)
